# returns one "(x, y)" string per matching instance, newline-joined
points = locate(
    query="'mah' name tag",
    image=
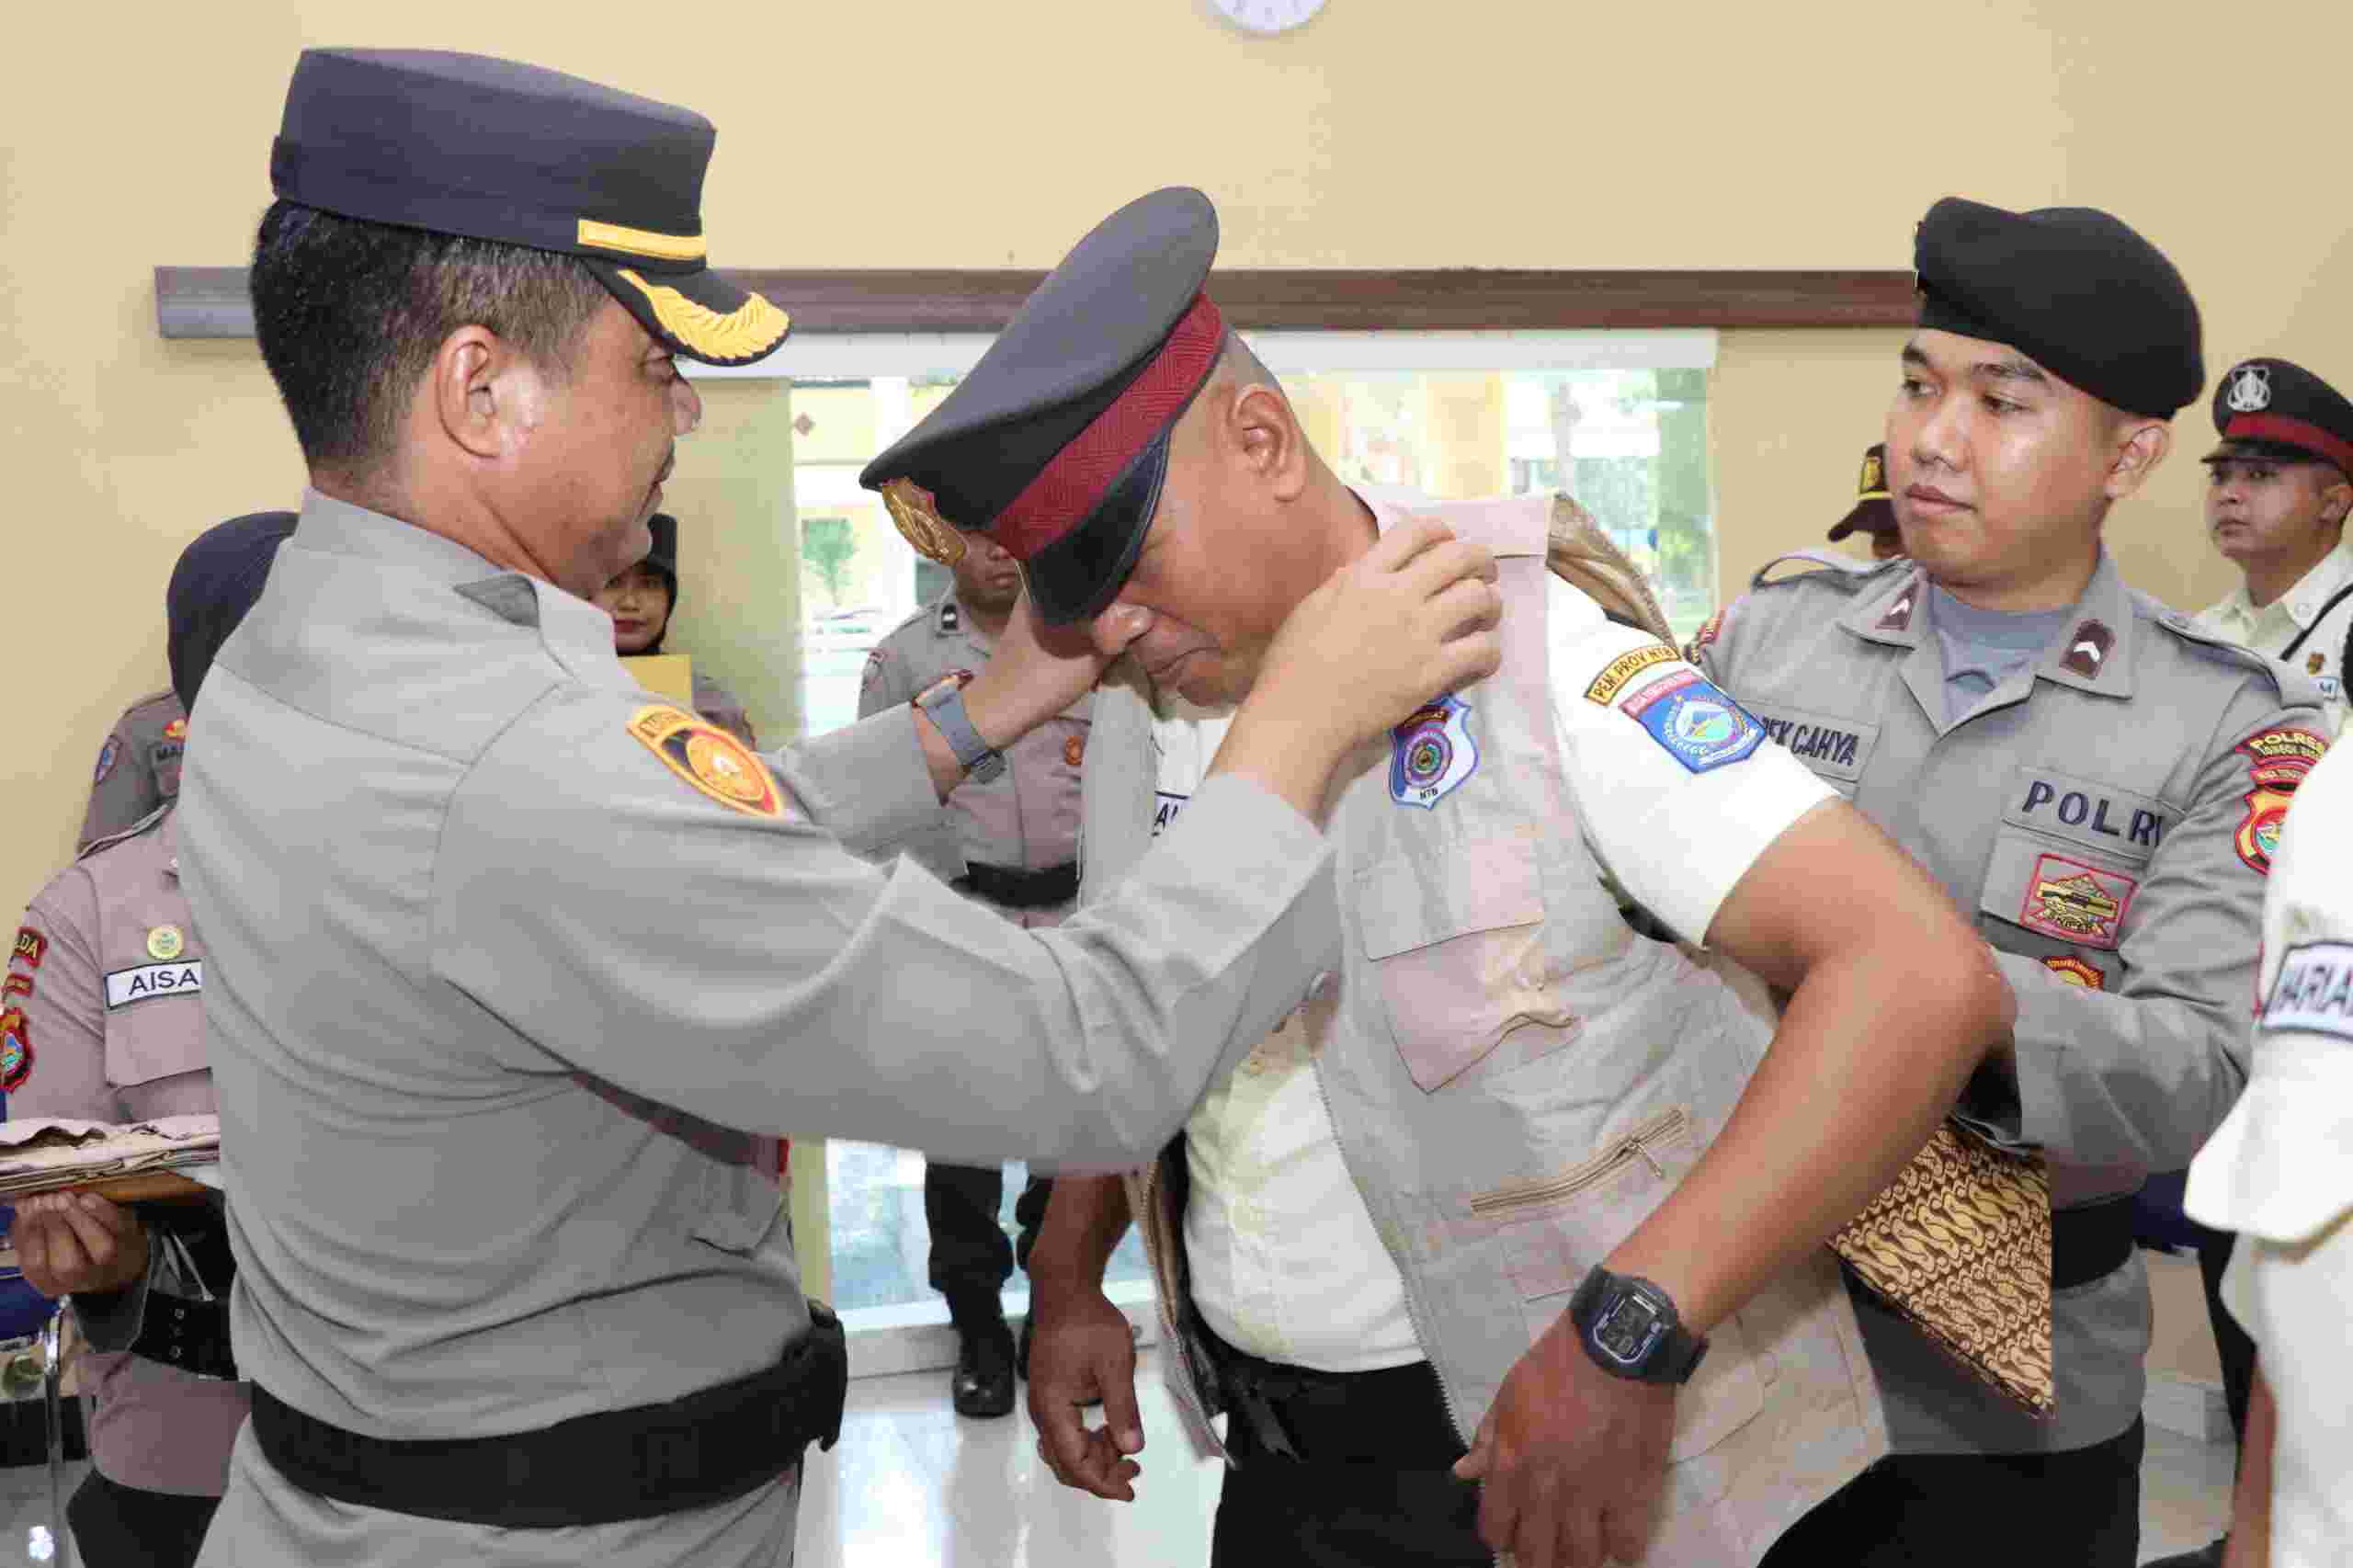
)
(125, 986)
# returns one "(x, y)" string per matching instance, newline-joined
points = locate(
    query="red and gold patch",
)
(2277, 762)
(1074, 750)
(1709, 630)
(2077, 971)
(17, 985)
(2077, 902)
(31, 946)
(176, 730)
(710, 759)
(16, 1050)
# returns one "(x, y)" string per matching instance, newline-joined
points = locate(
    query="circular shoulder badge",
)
(165, 943)
(706, 757)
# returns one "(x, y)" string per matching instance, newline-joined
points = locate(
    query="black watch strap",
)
(1630, 1327)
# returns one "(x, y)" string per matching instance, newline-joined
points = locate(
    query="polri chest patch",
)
(1698, 725)
(1432, 754)
(709, 759)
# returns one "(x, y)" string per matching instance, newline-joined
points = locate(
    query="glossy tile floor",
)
(910, 1486)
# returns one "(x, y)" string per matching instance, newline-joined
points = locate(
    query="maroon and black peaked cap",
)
(2278, 410)
(1056, 445)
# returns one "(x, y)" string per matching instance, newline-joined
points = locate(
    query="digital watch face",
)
(1627, 1329)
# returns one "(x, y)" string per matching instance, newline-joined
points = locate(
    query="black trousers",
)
(2078, 1509)
(970, 1259)
(1373, 1486)
(126, 1526)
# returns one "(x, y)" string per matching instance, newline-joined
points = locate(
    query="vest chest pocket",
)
(1556, 1227)
(1456, 951)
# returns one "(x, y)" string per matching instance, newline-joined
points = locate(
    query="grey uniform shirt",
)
(2104, 813)
(138, 768)
(509, 962)
(1025, 819)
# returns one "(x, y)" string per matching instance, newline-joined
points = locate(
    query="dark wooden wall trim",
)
(210, 302)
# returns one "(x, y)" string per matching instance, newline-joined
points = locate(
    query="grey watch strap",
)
(946, 710)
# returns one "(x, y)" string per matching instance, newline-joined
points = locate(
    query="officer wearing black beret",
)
(517, 972)
(2279, 488)
(2095, 782)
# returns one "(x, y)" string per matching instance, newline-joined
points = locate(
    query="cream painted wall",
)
(1482, 132)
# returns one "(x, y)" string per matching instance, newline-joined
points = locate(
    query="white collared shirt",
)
(1285, 1261)
(2273, 629)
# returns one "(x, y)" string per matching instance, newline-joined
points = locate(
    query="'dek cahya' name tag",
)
(125, 986)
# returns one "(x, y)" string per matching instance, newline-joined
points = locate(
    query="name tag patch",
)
(2077, 902)
(1832, 745)
(125, 986)
(2313, 990)
(1698, 725)
(1165, 809)
(1433, 754)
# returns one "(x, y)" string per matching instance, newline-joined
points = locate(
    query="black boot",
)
(982, 1384)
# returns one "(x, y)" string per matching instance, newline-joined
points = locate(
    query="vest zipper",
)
(1413, 1313)
(1637, 1144)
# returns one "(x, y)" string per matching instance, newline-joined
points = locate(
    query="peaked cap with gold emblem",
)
(1874, 511)
(497, 150)
(1056, 444)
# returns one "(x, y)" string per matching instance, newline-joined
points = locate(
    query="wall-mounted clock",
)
(1266, 16)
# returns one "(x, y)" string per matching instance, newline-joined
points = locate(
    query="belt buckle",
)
(1247, 1395)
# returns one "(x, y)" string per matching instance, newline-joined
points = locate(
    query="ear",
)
(472, 392)
(2335, 501)
(2142, 445)
(1266, 435)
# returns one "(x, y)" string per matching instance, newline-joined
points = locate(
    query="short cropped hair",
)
(350, 314)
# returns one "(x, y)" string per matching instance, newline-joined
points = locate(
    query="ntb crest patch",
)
(16, 1050)
(1433, 754)
(1700, 726)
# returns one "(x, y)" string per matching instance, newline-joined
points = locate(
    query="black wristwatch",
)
(1629, 1328)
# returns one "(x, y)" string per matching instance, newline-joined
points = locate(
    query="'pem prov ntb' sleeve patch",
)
(1700, 726)
(710, 759)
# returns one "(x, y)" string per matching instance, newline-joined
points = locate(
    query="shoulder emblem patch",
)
(1709, 630)
(2077, 902)
(2313, 990)
(1625, 667)
(31, 947)
(176, 730)
(710, 759)
(2277, 762)
(16, 1050)
(109, 755)
(1700, 726)
(17, 985)
(2077, 971)
(1433, 754)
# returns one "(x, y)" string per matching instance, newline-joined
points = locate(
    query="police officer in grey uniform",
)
(138, 768)
(514, 974)
(1019, 832)
(107, 1017)
(2095, 782)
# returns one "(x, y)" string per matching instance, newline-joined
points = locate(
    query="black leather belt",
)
(1023, 889)
(2090, 1243)
(693, 1452)
(1395, 1416)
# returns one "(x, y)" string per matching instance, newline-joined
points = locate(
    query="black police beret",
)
(216, 580)
(496, 150)
(1875, 512)
(2272, 408)
(2070, 288)
(1056, 444)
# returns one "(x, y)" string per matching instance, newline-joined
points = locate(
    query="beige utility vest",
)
(1517, 1080)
